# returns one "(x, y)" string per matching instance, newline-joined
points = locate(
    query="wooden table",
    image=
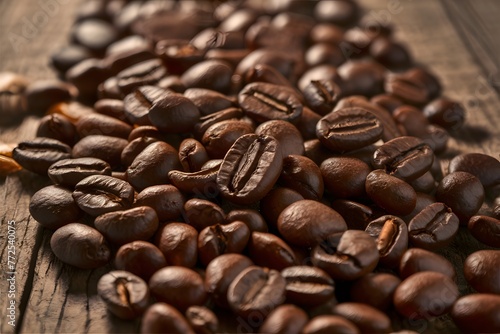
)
(458, 40)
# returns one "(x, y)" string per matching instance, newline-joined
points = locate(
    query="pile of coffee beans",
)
(257, 166)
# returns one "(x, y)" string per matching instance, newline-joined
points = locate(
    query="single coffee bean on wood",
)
(39, 154)
(69, 172)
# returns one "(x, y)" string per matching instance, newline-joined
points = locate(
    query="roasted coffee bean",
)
(202, 320)
(209, 74)
(391, 234)
(482, 271)
(368, 319)
(95, 35)
(339, 13)
(434, 227)
(424, 183)
(285, 318)
(307, 223)
(477, 313)
(161, 318)
(101, 147)
(348, 129)
(207, 121)
(250, 169)
(125, 294)
(148, 72)
(111, 107)
(69, 172)
(208, 101)
(119, 60)
(71, 110)
(165, 199)
(322, 95)
(174, 113)
(359, 214)
(38, 154)
(375, 289)
(423, 200)
(138, 103)
(302, 175)
(99, 194)
(425, 295)
(121, 227)
(407, 89)
(97, 124)
(415, 260)
(387, 101)
(201, 213)
(324, 53)
(178, 286)
(140, 258)
(222, 239)
(268, 250)
(446, 113)
(179, 244)
(326, 33)
(285, 133)
(255, 292)
(152, 165)
(201, 183)
(319, 73)
(427, 79)
(265, 73)
(345, 177)
(57, 127)
(362, 77)
(485, 229)
(219, 137)
(486, 168)
(41, 95)
(307, 124)
(463, 193)
(264, 102)
(192, 155)
(54, 207)
(252, 218)
(307, 286)
(68, 56)
(80, 245)
(220, 272)
(179, 55)
(390, 193)
(346, 256)
(86, 76)
(275, 202)
(330, 324)
(134, 148)
(152, 131)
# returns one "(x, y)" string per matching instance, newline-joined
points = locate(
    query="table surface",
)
(458, 40)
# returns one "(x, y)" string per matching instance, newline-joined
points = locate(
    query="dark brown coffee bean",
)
(345, 177)
(192, 155)
(101, 147)
(446, 113)
(263, 102)
(148, 72)
(268, 250)
(324, 324)
(250, 169)
(348, 129)
(275, 202)
(434, 227)
(307, 124)
(362, 77)
(322, 95)
(285, 319)
(407, 89)
(161, 318)
(202, 320)
(340, 13)
(252, 218)
(119, 60)
(308, 286)
(95, 35)
(346, 256)
(326, 33)
(387, 101)
(307, 223)
(255, 292)
(391, 54)
(463, 193)
(152, 131)
(265, 73)
(485, 229)
(140, 258)
(368, 319)
(54, 207)
(220, 272)
(219, 137)
(427, 79)
(319, 73)
(390, 193)
(391, 234)
(423, 200)
(302, 175)
(482, 271)
(375, 289)
(80, 245)
(201, 183)
(68, 56)
(285, 133)
(324, 53)
(152, 165)
(415, 260)
(424, 183)
(208, 101)
(425, 295)
(69, 172)
(41, 95)
(209, 74)
(39, 154)
(486, 168)
(138, 103)
(71, 110)
(86, 76)
(174, 113)
(125, 294)
(111, 107)
(179, 244)
(178, 286)
(57, 127)
(165, 199)
(97, 124)
(359, 214)
(134, 148)
(207, 121)
(201, 213)
(477, 313)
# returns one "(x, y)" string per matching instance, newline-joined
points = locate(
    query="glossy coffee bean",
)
(391, 54)
(391, 235)
(426, 79)
(69, 172)
(57, 127)
(140, 258)
(368, 319)
(137, 104)
(390, 193)
(423, 200)
(250, 169)
(219, 137)
(125, 294)
(477, 313)
(340, 13)
(265, 73)
(252, 218)
(102, 147)
(463, 193)
(202, 320)
(86, 76)
(482, 271)
(68, 56)
(98, 124)
(147, 72)
(80, 245)
(306, 223)
(285, 133)
(346, 256)
(424, 183)
(345, 177)
(485, 229)
(111, 107)
(165, 199)
(330, 324)
(302, 175)
(307, 286)
(362, 77)
(416, 260)
(54, 207)
(174, 113)
(324, 53)
(322, 95)
(178, 286)
(387, 101)
(307, 124)
(446, 113)
(134, 148)
(275, 202)
(38, 154)
(41, 95)
(268, 250)
(406, 89)
(285, 318)
(323, 72)
(192, 155)
(209, 74)
(162, 317)
(201, 213)
(434, 227)
(202, 182)
(96, 35)
(255, 292)
(207, 121)
(220, 272)
(359, 214)
(208, 101)
(486, 168)
(425, 295)
(375, 289)
(178, 243)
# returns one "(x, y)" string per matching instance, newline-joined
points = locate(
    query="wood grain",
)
(456, 39)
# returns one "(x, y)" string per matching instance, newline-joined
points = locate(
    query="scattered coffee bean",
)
(162, 317)
(477, 313)
(307, 286)
(38, 154)
(482, 271)
(140, 258)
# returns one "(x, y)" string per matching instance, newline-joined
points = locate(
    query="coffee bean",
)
(68, 56)
(250, 169)
(99, 194)
(101, 147)
(391, 235)
(207, 121)
(416, 260)
(252, 218)
(178, 243)
(423, 200)
(161, 318)
(165, 199)
(434, 227)
(302, 175)
(97, 124)
(407, 89)
(201, 213)
(345, 177)
(359, 214)
(38, 154)
(174, 113)
(362, 77)
(375, 289)
(219, 137)
(57, 127)
(268, 250)
(340, 13)
(426, 79)
(119, 60)
(265, 73)
(192, 155)
(391, 54)
(485, 229)
(285, 133)
(80, 245)
(387, 101)
(125, 294)
(208, 101)
(322, 95)
(307, 124)
(8, 166)
(368, 319)
(209, 74)
(348, 129)
(202, 320)
(71, 110)
(424, 183)
(69, 172)
(148, 72)
(326, 33)
(95, 35)
(482, 271)
(202, 182)
(179, 55)
(477, 313)
(275, 202)
(346, 256)
(330, 324)
(323, 72)
(285, 319)
(111, 107)
(486, 168)
(140, 258)
(138, 103)
(307, 286)
(134, 148)
(324, 53)
(446, 113)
